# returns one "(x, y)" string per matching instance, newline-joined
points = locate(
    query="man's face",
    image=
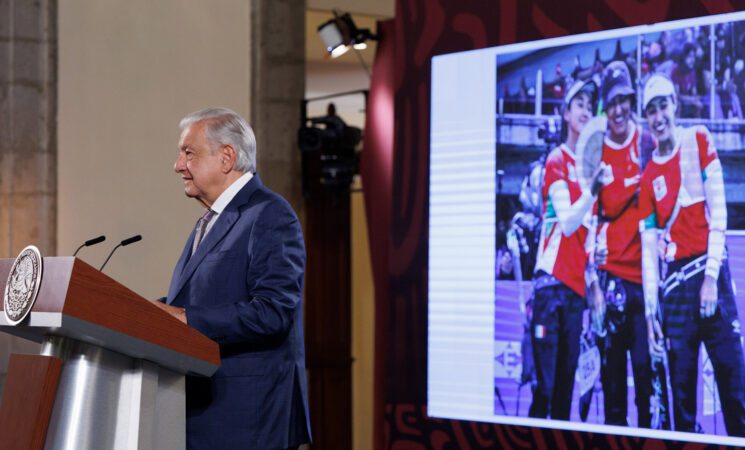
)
(199, 164)
(619, 114)
(661, 117)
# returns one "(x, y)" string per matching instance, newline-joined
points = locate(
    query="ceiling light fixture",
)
(340, 34)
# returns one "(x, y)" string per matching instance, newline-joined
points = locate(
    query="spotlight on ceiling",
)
(340, 34)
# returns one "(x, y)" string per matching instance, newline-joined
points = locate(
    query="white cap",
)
(657, 86)
(578, 86)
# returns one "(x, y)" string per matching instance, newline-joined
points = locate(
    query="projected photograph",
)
(619, 229)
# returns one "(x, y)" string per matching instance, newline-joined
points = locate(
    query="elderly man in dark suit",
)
(239, 281)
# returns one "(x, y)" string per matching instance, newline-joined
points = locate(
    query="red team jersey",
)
(618, 230)
(678, 178)
(562, 256)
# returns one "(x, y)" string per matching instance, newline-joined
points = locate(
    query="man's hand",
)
(709, 297)
(179, 313)
(596, 303)
(655, 337)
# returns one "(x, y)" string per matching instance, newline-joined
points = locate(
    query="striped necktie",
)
(201, 228)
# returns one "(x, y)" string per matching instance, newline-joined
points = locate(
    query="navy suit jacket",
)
(243, 289)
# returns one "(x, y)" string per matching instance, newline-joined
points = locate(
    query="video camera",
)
(337, 143)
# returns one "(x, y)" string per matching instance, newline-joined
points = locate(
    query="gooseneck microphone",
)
(90, 242)
(127, 241)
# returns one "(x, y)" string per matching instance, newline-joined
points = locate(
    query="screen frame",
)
(495, 52)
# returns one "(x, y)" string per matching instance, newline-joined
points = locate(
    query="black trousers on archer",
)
(685, 330)
(555, 329)
(626, 329)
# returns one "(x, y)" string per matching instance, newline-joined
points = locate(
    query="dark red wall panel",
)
(424, 28)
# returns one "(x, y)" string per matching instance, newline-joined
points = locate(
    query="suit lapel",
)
(225, 221)
(177, 272)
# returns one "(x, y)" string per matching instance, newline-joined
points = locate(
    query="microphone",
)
(127, 241)
(90, 242)
(131, 240)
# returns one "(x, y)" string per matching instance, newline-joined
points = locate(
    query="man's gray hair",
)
(225, 127)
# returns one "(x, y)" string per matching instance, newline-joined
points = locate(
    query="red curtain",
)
(376, 170)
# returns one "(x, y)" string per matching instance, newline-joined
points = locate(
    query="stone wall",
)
(28, 113)
(277, 88)
(28, 137)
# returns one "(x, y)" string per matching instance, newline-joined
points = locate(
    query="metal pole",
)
(538, 92)
(712, 78)
(639, 41)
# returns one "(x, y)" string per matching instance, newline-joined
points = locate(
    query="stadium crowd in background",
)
(683, 55)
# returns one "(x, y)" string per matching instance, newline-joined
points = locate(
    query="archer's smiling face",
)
(579, 112)
(661, 117)
(619, 116)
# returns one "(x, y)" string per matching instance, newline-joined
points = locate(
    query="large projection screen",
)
(495, 115)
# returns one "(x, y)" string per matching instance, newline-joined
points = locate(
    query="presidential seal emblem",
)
(23, 284)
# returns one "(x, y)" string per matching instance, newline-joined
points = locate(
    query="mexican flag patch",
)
(540, 331)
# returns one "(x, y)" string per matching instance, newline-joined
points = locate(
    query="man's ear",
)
(228, 156)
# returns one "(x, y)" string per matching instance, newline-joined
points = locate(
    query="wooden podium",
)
(111, 370)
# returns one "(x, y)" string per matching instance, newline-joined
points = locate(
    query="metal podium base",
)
(106, 400)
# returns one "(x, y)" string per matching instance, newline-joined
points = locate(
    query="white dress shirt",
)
(225, 198)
